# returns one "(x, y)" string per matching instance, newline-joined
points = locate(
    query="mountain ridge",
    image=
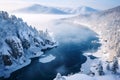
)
(37, 8)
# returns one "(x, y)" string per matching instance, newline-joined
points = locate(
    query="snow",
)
(86, 68)
(47, 59)
(37, 9)
(19, 43)
(14, 67)
(9, 69)
(79, 76)
(104, 24)
(35, 52)
(35, 20)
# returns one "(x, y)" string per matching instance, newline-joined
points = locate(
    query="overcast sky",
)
(10, 5)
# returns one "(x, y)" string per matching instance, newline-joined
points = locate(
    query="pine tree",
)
(108, 66)
(100, 69)
(115, 65)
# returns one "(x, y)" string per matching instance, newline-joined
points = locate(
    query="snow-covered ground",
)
(86, 67)
(80, 76)
(47, 59)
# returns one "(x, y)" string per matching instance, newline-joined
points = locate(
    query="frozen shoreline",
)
(102, 48)
(16, 66)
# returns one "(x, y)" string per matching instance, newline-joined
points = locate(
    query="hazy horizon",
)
(10, 5)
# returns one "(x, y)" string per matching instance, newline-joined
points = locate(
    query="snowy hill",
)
(19, 42)
(107, 66)
(107, 24)
(37, 8)
(79, 10)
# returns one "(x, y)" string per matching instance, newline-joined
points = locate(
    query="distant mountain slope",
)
(79, 10)
(107, 24)
(19, 42)
(37, 8)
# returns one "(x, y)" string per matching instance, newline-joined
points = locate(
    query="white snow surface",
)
(79, 76)
(86, 66)
(37, 9)
(47, 59)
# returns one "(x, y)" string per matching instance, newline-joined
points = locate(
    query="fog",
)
(63, 31)
(40, 21)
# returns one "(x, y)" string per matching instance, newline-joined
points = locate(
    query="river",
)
(73, 40)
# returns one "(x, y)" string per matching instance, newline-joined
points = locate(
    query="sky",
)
(10, 5)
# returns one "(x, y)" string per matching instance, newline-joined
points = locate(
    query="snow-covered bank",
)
(91, 69)
(19, 43)
(9, 69)
(107, 24)
(80, 76)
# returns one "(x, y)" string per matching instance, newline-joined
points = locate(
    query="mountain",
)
(79, 10)
(37, 8)
(19, 42)
(107, 24)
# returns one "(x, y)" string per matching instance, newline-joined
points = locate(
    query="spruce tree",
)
(100, 69)
(108, 66)
(115, 65)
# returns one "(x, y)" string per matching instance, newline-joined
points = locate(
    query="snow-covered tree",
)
(96, 69)
(19, 42)
(100, 69)
(115, 65)
(108, 66)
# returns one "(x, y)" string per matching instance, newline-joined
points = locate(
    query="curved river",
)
(73, 41)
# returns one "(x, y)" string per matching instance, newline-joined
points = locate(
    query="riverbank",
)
(16, 66)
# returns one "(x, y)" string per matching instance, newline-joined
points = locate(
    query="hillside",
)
(37, 8)
(19, 42)
(79, 10)
(107, 66)
(107, 24)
